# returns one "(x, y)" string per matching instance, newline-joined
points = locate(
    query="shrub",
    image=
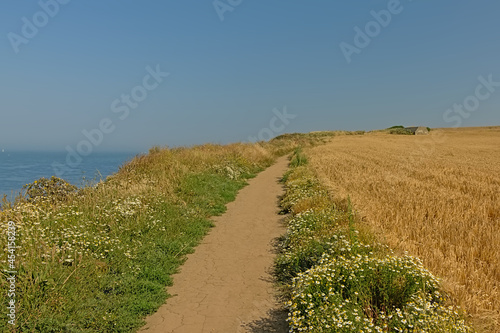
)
(400, 131)
(368, 294)
(52, 190)
(298, 258)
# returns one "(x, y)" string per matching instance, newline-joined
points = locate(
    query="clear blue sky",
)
(226, 76)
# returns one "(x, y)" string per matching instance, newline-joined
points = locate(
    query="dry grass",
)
(436, 196)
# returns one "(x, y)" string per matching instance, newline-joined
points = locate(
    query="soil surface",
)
(226, 285)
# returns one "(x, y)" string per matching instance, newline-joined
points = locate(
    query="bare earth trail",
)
(226, 285)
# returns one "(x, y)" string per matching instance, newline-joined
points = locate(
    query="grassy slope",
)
(99, 260)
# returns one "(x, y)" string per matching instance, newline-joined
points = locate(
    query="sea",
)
(20, 168)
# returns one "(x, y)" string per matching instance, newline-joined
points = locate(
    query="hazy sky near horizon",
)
(240, 68)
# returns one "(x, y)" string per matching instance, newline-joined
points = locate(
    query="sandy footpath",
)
(226, 285)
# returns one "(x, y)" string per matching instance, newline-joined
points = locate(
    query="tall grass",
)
(436, 197)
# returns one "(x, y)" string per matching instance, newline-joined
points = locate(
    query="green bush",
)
(52, 190)
(400, 131)
(369, 294)
(296, 259)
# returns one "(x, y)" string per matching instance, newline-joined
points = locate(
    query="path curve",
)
(226, 285)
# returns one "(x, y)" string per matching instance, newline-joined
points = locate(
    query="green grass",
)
(298, 158)
(198, 189)
(116, 296)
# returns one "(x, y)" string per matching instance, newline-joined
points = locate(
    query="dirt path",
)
(225, 286)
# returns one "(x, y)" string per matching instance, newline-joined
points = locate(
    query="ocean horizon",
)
(18, 168)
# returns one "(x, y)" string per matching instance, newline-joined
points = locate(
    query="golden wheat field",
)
(436, 197)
